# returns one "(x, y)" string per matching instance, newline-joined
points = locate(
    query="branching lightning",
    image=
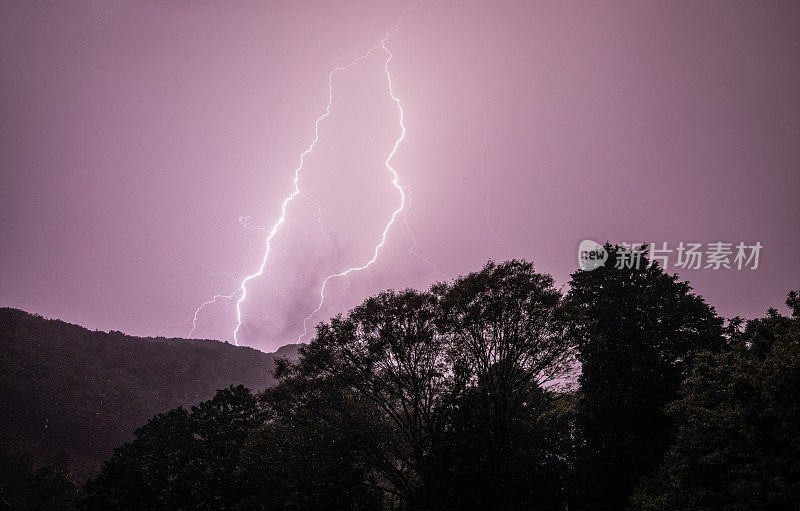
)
(240, 294)
(414, 239)
(395, 183)
(322, 227)
(219, 273)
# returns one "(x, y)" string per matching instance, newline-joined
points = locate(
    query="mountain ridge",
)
(61, 384)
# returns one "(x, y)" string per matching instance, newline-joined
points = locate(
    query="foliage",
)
(637, 332)
(439, 394)
(21, 487)
(738, 441)
(63, 387)
(51, 487)
(284, 467)
(180, 459)
(440, 400)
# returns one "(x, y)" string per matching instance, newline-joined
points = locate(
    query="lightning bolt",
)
(244, 221)
(322, 227)
(204, 305)
(395, 182)
(219, 273)
(159, 332)
(241, 291)
(414, 239)
(341, 296)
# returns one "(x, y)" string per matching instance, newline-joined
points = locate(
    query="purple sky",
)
(134, 134)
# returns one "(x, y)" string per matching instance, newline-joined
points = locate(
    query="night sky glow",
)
(151, 151)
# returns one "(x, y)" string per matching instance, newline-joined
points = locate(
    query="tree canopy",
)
(454, 398)
(738, 440)
(405, 377)
(181, 459)
(637, 331)
(64, 388)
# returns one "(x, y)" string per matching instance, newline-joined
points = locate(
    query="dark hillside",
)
(68, 390)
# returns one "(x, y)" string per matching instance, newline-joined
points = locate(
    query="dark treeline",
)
(454, 399)
(69, 395)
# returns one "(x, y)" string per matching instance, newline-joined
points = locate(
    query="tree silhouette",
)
(637, 332)
(374, 381)
(506, 327)
(51, 487)
(738, 414)
(446, 400)
(22, 487)
(180, 459)
(284, 467)
(405, 378)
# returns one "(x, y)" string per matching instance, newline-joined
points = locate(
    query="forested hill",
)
(66, 390)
